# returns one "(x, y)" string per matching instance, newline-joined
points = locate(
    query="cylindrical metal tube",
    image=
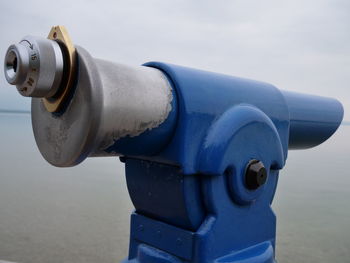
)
(135, 99)
(109, 102)
(313, 119)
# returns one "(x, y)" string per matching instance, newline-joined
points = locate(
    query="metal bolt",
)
(256, 174)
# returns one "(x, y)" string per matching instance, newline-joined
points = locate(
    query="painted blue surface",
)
(312, 119)
(191, 201)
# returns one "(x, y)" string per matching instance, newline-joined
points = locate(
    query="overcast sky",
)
(296, 45)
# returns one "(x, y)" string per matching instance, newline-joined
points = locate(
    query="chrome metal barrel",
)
(107, 102)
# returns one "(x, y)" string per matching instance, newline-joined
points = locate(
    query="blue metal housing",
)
(313, 119)
(192, 204)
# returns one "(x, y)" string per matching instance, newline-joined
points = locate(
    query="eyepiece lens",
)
(15, 64)
(11, 64)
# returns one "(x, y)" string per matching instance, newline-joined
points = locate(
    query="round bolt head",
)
(256, 175)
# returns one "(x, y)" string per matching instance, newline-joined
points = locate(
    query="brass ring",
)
(60, 35)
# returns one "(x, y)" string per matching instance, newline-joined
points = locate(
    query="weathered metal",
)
(109, 102)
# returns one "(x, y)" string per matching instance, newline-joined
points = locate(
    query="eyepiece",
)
(35, 66)
(11, 64)
(16, 64)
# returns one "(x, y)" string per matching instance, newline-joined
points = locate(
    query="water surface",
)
(81, 214)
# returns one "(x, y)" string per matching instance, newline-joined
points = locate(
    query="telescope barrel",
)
(100, 108)
(313, 119)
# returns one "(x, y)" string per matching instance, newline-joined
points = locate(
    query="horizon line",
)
(28, 111)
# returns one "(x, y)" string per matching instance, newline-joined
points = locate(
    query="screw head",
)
(256, 174)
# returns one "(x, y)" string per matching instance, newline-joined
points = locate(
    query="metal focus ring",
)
(35, 66)
(43, 68)
(59, 34)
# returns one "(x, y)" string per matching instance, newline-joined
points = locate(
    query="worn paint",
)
(110, 101)
(135, 99)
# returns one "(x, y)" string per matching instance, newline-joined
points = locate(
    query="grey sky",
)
(296, 44)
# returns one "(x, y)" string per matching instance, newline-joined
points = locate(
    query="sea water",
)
(81, 214)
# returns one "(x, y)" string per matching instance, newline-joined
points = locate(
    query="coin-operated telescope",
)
(202, 150)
